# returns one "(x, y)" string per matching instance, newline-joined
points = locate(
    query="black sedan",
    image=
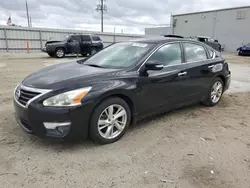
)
(99, 97)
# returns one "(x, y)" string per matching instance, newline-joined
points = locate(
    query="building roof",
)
(215, 10)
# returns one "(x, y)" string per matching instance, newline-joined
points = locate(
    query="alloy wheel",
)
(216, 92)
(93, 51)
(112, 121)
(60, 53)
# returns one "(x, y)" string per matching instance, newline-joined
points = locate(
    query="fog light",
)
(60, 129)
(55, 125)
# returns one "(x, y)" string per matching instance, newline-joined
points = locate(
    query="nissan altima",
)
(99, 97)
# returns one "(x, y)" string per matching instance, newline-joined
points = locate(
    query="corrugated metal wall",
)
(158, 31)
(14, 39)
(230, 26)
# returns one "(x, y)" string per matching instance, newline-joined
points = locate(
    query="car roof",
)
(77, 34)
(159, 40)
(204, 37)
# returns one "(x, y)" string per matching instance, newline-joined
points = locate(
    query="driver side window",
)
(169, 54)
(75, 39)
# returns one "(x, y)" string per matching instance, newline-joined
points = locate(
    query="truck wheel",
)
(93, 51)
(84, 54)
(60, 53)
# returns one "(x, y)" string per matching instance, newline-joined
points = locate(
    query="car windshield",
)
(119, 55)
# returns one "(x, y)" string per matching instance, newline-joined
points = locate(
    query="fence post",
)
(6, 40)
(114, 34)
(40, 37)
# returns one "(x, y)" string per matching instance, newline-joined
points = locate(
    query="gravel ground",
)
(194, 147)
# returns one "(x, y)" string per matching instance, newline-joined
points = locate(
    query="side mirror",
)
(69, 41)
(153, 65)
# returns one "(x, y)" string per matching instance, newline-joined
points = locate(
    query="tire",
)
(214, 95)
(59, 53)
(84, 54)
(93, 51)
(240, 53)
(98, 130)
(51, 54)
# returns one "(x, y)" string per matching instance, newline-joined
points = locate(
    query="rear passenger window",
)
(86, 38)
(194, 52)
(169, 54)
(96, 38)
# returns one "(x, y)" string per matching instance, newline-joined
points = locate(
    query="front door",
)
(73, 44)
(167, 88)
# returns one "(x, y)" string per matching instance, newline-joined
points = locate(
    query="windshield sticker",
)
(139, 45)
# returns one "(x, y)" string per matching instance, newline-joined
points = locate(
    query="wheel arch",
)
(124, 97)
(223, 80)
(63, 47)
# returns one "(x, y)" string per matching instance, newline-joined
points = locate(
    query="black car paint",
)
(146, 92)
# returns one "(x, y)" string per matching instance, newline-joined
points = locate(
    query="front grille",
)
(25, 96)
(25, 124)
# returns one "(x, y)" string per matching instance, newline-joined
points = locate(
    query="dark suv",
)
(73, 44)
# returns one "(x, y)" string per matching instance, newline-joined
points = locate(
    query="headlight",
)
(70, 98)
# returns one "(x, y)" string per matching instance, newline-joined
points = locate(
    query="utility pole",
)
(28, 17)
(102, 15)
(30, 22)
(102, 8)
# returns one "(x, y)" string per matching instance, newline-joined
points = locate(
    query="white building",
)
(230, 26)
(158, 31)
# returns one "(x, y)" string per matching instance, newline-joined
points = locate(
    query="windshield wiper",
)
(94, 65)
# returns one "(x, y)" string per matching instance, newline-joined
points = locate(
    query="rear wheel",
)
(110, 120)
(215, 93)
(93, 51)
(60, 53)
(240, 53)
(84, 54)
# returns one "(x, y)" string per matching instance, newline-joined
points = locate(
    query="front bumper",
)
(61, 123)
(44, 49)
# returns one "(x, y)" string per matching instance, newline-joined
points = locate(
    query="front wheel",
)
(110, 120)
(215, 93)
(60, 53)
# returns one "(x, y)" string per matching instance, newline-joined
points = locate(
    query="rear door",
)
(200, 65)
(86, 44)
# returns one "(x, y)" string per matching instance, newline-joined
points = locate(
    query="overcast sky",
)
(130, 15)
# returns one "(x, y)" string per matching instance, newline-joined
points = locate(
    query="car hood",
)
(67, 74)
(55, 43)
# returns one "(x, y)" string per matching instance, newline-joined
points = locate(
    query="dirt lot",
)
(194, 147)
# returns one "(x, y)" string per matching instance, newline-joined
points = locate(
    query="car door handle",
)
(211, 66)
(182, 74)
